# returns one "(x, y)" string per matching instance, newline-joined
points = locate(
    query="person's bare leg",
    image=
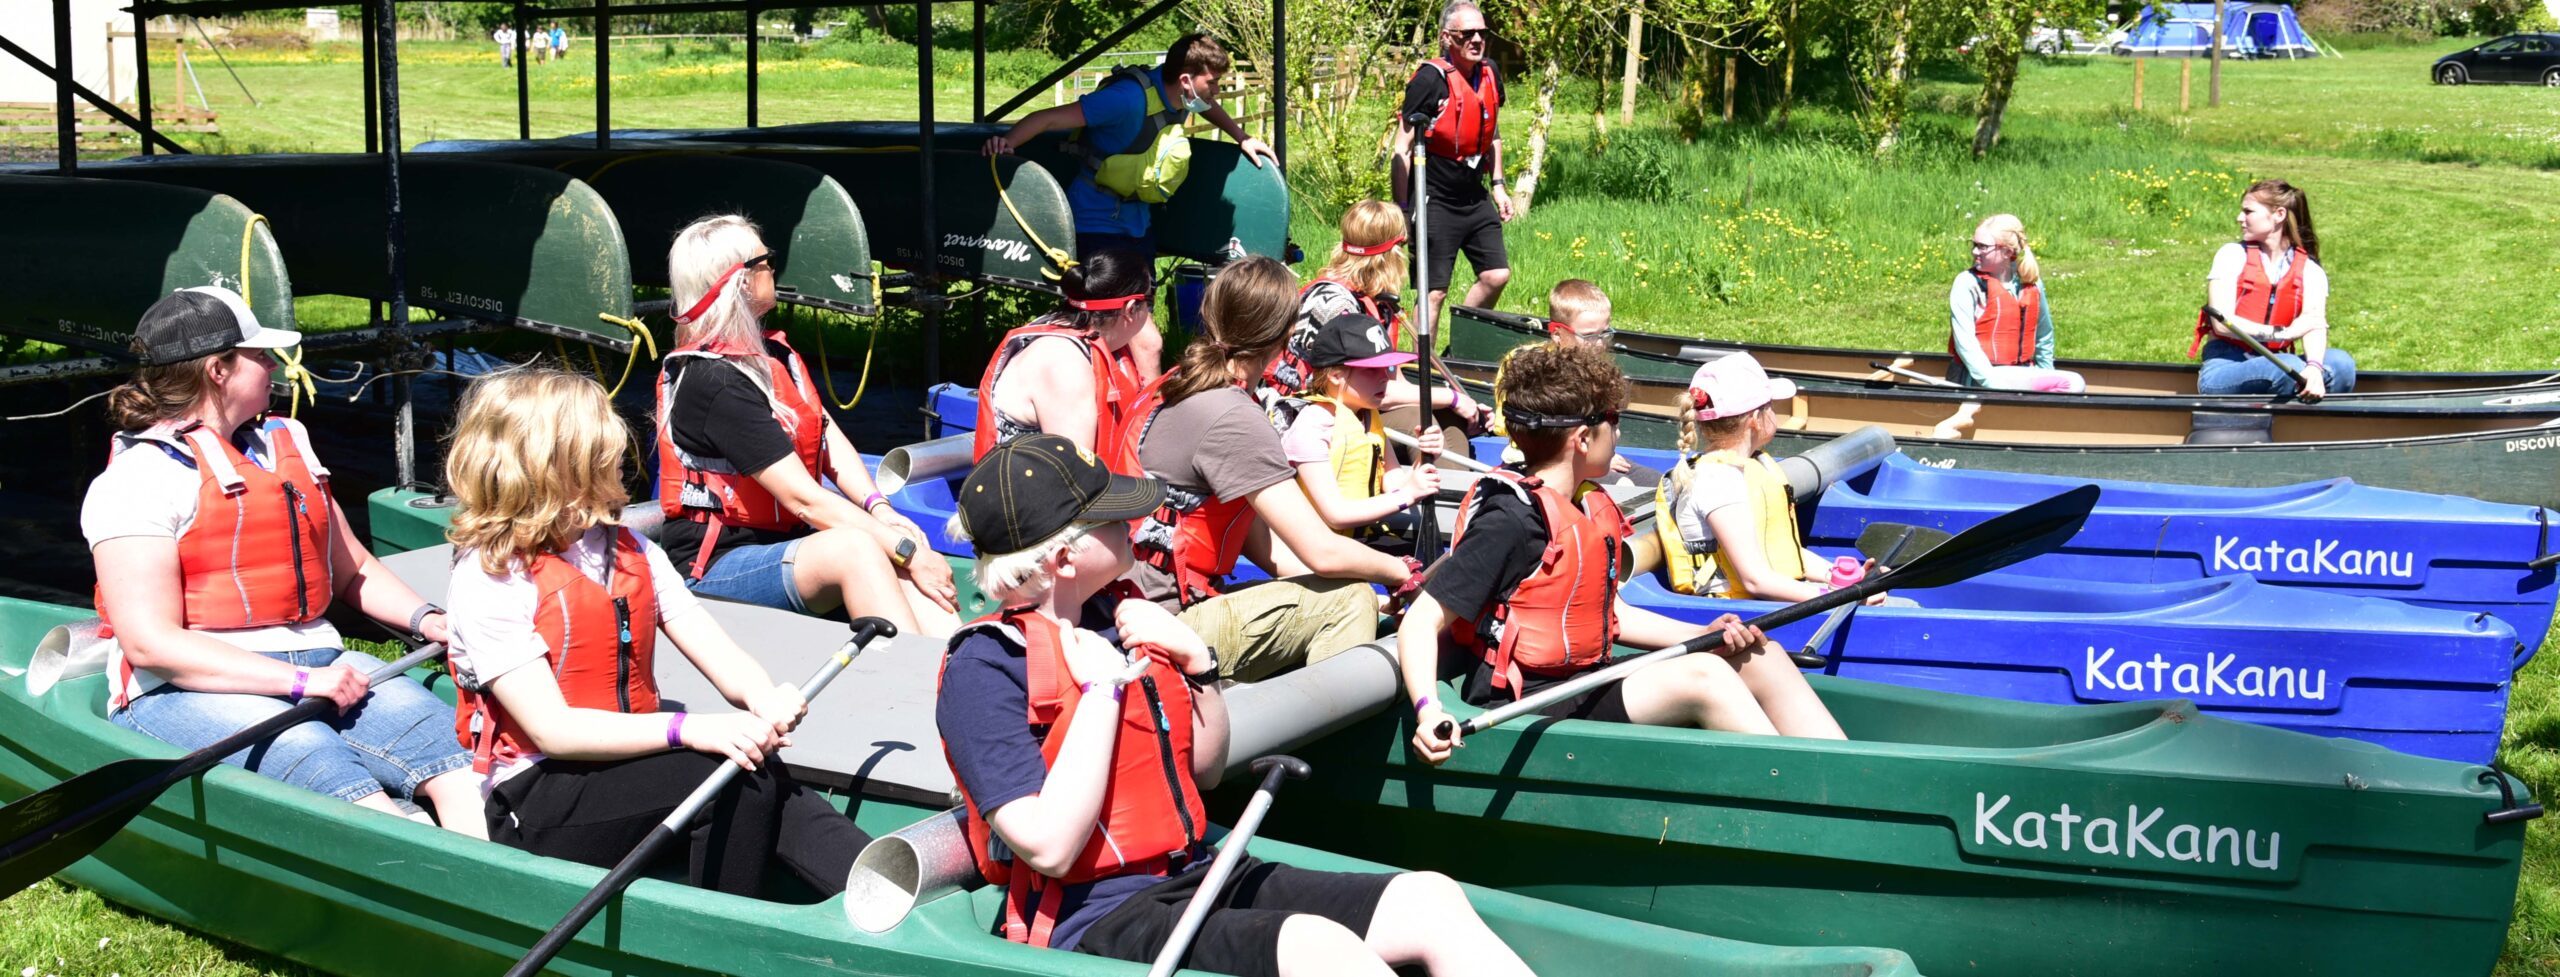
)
(1313, 946)
(1780, 688)
(455, 796)
(1488, 287)
(844, 568)
(932, 620)
(382, 802)
(1699, 690)
(1424, 918)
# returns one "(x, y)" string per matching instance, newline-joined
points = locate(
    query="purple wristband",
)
(301, 678)
(1421, 703)
(675, 730)
(1119, 693)
(873, 501)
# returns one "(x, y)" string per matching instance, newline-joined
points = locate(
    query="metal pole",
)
(978, 64)
(524, 101)
(142, 81)
(1280, 81)
(604, 74)
(66, 128)
(932, 277)
(198, 22)
(752, 33)
(395, 231)
(372, 112)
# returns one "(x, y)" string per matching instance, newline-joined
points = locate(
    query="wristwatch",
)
(1209, 674)
(903, 553)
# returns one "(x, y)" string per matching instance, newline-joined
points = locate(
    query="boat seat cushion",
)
(2232, 427)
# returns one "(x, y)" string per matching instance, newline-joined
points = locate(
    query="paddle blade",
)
(1883, 542)
(44, 832)
(2008, 538)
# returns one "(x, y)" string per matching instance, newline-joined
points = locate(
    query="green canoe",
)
(2482, 456)
(2102, 376)
(1980, 836)
(1227, 208)
(354, 892)
(509, 244)
(807, 217)
(110, 248)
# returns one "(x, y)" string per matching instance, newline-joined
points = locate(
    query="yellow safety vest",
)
(1773, 515)
(1358, 455)
(1156, 162)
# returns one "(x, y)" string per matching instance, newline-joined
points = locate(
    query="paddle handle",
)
(2299, 384)
(629, 869)
(1273, 769)
(1458, 458)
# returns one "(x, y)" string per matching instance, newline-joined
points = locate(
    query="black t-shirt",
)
(1454, 183)
(1505, 536)
(717, 412)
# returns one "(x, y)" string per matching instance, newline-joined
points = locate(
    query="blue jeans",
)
(2230, 369)
(400, 736)
(759, 575)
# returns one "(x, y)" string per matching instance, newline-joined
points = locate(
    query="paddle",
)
(1891, 538)
(54, 827)
(1426, 531)
(1272, 768)
(1907, 373)
(629, 869)
(2002, 540)
(2299, 384)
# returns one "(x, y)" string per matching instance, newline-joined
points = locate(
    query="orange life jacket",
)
(1289, 374)
(2275, 303)
(1114, 387)
(1465, 126)
(599, 642)
(1194, 539)
(2007, 326)
(1563, 618)
(710, 490)
(258, 553)
(1151, 817)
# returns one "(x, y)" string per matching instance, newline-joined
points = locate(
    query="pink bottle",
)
(1847, 570)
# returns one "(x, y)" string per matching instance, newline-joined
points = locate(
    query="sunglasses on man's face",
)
(764, 261)
(1468, 33)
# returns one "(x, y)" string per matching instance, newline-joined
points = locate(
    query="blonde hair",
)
(1368, 224)
(164, 392)
(2013, 234)
(1015, 579)
(536, 460)
(1573, 298)
(703, 252)
(1698, 437)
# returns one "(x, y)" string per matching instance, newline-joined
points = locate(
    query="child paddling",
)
(1338, 444)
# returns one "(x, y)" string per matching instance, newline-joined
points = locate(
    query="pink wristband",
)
(675, 730)
(873, 501)
(1119, 693)
(1421, 703)
(301, 678)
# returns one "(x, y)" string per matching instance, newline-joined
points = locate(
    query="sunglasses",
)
(1468, 33)
(765, 261)
(1986, 246)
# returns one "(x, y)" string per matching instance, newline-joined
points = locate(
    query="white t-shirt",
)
(1309, 439)
(492, 614)
(147, 491)
(2227, 265)
(1711, 487)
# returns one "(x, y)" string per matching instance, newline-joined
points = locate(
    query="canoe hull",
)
(111, 248)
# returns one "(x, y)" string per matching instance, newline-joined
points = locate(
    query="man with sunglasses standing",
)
(1461, 96)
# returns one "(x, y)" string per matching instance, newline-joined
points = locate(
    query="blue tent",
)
(2249, 30)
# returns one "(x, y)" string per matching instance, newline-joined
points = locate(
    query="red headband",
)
(703, 304)
(1106, 305)
(1557, 328)
(1370, 249)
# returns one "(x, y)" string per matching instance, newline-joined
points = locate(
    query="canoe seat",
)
(2231, 427)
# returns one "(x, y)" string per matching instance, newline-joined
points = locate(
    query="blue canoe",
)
(2421, 680)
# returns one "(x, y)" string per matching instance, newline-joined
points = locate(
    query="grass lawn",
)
(2436, 209)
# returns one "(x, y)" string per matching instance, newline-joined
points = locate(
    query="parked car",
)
(2051, 42)
(2516, 59)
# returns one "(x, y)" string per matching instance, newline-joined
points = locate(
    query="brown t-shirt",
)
(1215, 445)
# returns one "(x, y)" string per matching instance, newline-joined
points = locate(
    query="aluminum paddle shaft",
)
(1426, 532)
(1273, 769)
(625, 872)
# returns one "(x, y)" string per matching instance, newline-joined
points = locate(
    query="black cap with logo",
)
(1029, 488)
(201, 321)
(1353, 339)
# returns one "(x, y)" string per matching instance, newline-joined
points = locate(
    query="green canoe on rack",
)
(515, 245)
(807, 217)
(91, 255)
(351, 891)
(1226, 209)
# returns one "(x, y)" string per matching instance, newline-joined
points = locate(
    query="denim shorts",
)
(400, 736)
(759, 575)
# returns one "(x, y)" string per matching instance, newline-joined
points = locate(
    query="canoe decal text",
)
(1010, 249)
(2218, 679)
(2323, 558)
(2143, 834)
(2536, 443)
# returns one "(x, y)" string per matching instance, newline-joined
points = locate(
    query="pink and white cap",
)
(1733, 385)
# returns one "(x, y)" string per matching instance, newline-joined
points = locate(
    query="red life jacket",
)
(2275, 303)
(1152, 818)
(258, 553)
(711, 491)
(1465, 127)
(1289, 374)
(1114, 387)
(600, 642)
(1563, 618)
(2007, 326)
(1194, 539)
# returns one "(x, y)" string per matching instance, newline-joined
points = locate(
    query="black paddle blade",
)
(1880, 540)
(48, 830)
(2027, 531)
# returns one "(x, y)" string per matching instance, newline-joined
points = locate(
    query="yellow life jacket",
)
(1774, 532)
(1155, 163)
(1359, 454)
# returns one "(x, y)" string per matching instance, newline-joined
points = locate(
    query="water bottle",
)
(1847, 570)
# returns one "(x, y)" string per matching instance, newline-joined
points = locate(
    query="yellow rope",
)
(638, 332)
(829, 376)
(297, 381)
(1057, 257)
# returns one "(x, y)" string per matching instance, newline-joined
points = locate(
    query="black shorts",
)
(1474, 228)
(1242, 934)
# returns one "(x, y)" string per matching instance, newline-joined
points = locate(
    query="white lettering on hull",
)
(2218, 676)
(2324, 557)
(2135, 837)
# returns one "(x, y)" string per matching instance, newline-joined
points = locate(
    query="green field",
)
(2438, 209)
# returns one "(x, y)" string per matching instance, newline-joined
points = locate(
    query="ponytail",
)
(1245, 319)
(160, 393)
(2297, 213)
(1109, 273)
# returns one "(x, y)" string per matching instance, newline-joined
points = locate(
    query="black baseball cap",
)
(1029, 488)
(201, 321)
(1353, 339)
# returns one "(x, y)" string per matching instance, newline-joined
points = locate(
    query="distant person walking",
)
(1458, 99)
(506, 38)
(559, 43)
